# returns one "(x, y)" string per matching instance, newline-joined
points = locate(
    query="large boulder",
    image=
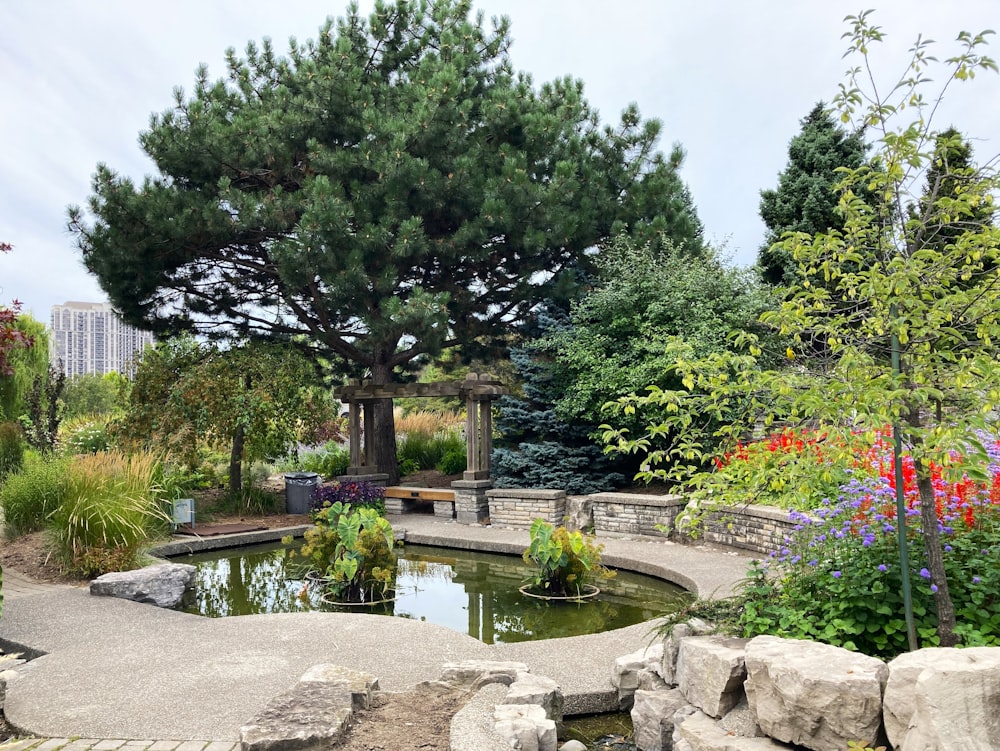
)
(671, 646)
(814, 695)
(162, 585)
(653, 718)
(538, 690)
(710, 672)
(943, 698)
(314, 714)
(637, 670)
(525, 727)
(699, 732)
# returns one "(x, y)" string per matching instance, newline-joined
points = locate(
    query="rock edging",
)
(715, 693)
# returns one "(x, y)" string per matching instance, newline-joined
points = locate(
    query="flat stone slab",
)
(314, 714)
(162, 585)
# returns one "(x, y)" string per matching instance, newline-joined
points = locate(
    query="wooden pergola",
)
(477, 390)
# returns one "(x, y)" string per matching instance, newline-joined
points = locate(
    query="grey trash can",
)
(298, 491)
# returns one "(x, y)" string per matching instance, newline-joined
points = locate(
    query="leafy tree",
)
(806, 199)
(917, 350)
(11, 338)
(92, 394)
(253, 400)
(647, 293)
(387, 190)
(26, 364)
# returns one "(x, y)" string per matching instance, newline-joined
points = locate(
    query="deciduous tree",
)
(254, 401)
(387, 189)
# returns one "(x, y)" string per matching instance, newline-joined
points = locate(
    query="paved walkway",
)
(114, 669)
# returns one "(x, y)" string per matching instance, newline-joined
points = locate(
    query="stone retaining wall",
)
(617, 514)
(519, 507)
(761, 529)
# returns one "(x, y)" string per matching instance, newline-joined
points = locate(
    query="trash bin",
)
(298, 491)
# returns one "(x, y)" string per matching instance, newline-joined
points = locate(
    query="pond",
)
(469, 592)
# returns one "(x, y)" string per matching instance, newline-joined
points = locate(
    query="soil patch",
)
(417, 720)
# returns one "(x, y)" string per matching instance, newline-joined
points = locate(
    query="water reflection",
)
(472, 593)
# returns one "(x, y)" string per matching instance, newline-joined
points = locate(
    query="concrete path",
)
(114, 669)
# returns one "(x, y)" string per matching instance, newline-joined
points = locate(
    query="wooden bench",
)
(400, 499)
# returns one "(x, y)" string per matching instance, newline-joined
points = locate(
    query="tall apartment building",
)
(89, 338)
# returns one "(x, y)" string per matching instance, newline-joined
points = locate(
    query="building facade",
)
(88, 337)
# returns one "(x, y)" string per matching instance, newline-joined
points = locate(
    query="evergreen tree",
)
(944, 208)
(805, 199)
(389, 189)
(535, 447)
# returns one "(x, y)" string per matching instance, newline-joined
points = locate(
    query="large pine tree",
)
(386, 190)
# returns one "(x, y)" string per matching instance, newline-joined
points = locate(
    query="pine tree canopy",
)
(387, 189)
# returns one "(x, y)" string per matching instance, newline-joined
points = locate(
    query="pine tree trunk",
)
(935, 556)
(385, 427)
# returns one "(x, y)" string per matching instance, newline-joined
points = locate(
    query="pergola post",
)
(478, 436)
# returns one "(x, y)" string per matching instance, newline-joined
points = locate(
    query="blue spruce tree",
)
(536, 449)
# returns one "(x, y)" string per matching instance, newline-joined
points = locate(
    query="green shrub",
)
(332, 461)
(111, 508)
(29, 496)
(11, 448)
(408, 467)
(453, 462)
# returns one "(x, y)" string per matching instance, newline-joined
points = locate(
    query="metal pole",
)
(897, 462)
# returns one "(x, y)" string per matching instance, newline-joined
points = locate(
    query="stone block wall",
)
(761, 529)
(519, 507)
(617, 514)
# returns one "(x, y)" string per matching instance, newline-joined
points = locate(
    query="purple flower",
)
(925, 573)
(883, 567)
(836, 574)
(976, 580)
(934, 587)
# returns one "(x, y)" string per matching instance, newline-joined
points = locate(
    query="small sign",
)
(183, 511)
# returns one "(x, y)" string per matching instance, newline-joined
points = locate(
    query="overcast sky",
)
(729, 79)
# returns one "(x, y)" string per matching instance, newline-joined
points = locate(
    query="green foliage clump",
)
(11, 448)
(565, 562)
(110, 508)
(329, 462)
(92, 394)
(421, 450)
(352, 550)
(453, 461)
(534, 447)
(28, 497)
(806, 198)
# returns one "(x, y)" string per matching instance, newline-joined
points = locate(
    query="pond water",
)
(469, 592)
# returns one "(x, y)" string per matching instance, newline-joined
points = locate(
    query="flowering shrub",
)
(793, 469)
(838, 574)
(358, 494)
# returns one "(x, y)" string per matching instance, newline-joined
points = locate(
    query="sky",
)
(730, 80)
